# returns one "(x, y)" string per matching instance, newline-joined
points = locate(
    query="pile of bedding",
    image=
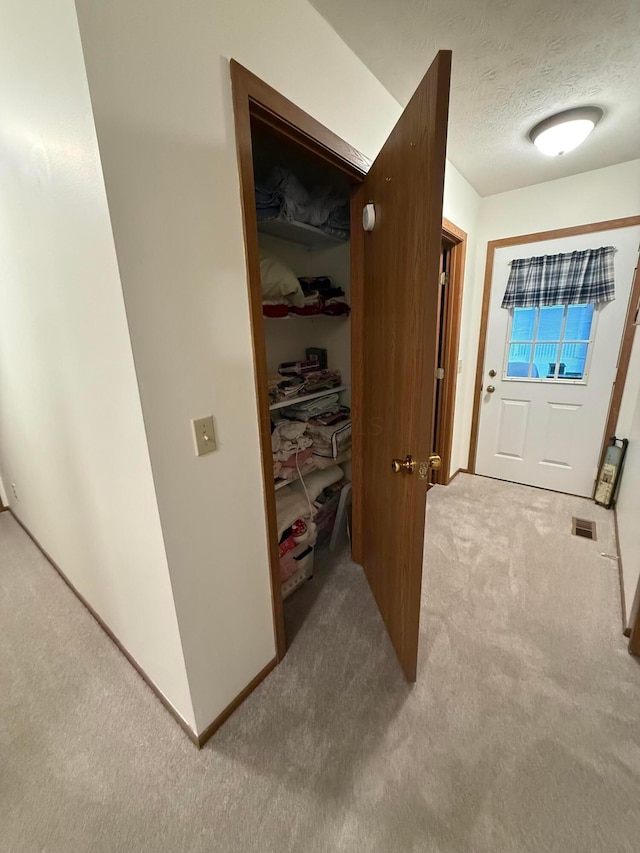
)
(291, 444)
(321, 296)
(308, 379)
(284, 294)
(282, 196)
(328, 424)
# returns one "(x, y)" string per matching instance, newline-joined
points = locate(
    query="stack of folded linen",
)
(292, 447)
(328, 424)
(283, 387)
(282, 196)
(331, 441)
(308, 409)
(321, 296)
(295, 379)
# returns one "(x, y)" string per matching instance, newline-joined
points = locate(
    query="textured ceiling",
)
(514, 63)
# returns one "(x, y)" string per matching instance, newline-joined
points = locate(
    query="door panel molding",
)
(627, 335)
(512, 430)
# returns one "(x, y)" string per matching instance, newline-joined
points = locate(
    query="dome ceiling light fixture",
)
(564, 131)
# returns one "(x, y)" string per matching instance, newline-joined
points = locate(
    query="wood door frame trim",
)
(254, 99)
(457, 238)
(538, 237)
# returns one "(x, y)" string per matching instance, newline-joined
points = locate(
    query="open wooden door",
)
(398, 352)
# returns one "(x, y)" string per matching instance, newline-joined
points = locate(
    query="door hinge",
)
(444, 278)
(439, 372)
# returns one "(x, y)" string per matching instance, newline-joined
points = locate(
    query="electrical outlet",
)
(204, 435)
(15, 491)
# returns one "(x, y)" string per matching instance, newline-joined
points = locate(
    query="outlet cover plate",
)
(204, 435)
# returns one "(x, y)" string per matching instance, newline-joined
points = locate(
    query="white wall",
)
(71, 429)
(596, 196)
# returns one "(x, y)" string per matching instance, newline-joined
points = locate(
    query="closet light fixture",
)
(564, 131)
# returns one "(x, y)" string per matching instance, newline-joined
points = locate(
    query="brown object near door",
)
(394, 287)
(627, 335)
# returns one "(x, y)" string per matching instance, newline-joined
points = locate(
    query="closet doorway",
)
(452, 260)
(356, 311)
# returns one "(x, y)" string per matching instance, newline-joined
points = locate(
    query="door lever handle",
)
(408, 464)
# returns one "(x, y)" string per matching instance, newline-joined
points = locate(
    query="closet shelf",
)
(299, 232)
(297, 317)
(291, 401)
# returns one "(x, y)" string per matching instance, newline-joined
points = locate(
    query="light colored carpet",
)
(522, 733)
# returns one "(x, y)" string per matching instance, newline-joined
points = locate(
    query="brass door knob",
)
(408, 464)
(491, 389)
(435, 462)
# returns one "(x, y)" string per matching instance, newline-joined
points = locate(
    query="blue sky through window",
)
(549, 339)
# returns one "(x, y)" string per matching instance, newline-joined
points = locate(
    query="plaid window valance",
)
(570, 278)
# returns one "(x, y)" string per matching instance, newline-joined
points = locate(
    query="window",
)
(551, 343)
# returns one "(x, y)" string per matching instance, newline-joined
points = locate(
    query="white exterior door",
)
(552, 370)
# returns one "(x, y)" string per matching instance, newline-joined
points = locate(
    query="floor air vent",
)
(584, 528)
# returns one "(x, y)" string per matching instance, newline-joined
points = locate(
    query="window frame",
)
(556, 379)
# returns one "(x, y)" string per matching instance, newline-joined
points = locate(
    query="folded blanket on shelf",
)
(289, 449)
(322, 297)
(306, 466)
(275, 309)
(331, 440)
(331, 416)
(337, 306)
(283, 195)
(321, 379)
(282, 387)
(338, 223)
(311, 408)
(286, 433)
(317, 481)
(313, 304)
(290, 505)
(299, 457)
(268, 203)
(321, 463)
